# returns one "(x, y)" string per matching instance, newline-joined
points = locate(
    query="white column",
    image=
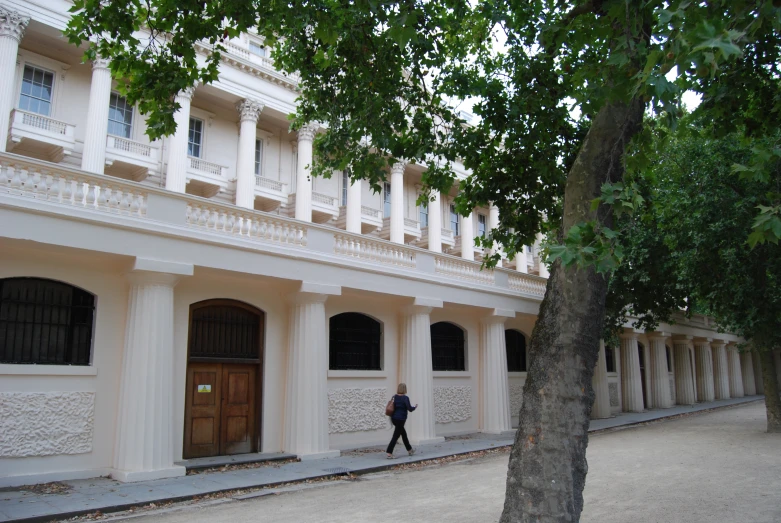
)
(93, 157)
(747, 368)
(249, 111)
(306, 136)
(758, 380)
(720, 371)
(601, 407)
(434, 222)
(543, 268)
(306, 405)
(494, 388)
(704, 363)
(660, 378)
(397, 202)
(415, 369)
(353, 211)
(468, 237)
(684, 380)
(631, 384)
(493, 223)
(12, 26)
(144, 446)
(735, 374)
(176, 174)
(521, 262)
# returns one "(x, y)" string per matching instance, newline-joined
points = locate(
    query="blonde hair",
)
(402, 388)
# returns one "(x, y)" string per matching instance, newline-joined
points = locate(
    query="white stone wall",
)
(355, 409)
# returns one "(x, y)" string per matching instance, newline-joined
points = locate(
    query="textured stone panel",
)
(672, 391)
(355, 410)
(452, 404)
(46, 423)
(613, 389)
(516, 398)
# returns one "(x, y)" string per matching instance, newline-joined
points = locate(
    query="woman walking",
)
(401, 406)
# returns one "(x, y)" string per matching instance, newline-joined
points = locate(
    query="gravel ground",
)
(715, 467)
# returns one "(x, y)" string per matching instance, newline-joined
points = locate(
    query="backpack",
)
(390, 407)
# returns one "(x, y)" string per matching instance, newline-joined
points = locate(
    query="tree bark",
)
(547, 470)
(772, 398)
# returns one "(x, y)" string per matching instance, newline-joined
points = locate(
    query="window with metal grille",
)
(195, 138)
(610, 359)
(481, 225)
(45, 322)
(354, 342)
(515, 345)
(424, 215)
(454, 221)
(37, 89)
(447, 347)
(225, 330)
(386, 199)
(120, 116)
(258, 155)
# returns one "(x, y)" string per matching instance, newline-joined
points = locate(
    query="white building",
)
(199, 296)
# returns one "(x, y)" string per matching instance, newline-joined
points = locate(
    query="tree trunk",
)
(772, 398)
(547, 470)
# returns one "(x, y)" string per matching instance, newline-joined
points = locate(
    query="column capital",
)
(308, 131)
(398, 167)
(158, 272)
(12, 24)
(100, 63)
(658, 335)
(311, 292)
(718, 343)
(702, 341)
(249, 110)
(187, 93)
(497, 316)
(628, 334)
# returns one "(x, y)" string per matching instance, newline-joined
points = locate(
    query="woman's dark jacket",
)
(401, 407)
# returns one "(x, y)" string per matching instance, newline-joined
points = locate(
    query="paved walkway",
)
(106, 495)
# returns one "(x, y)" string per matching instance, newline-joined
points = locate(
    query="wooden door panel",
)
(202, 410)
(238, 409)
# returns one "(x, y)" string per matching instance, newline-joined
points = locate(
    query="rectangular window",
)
(257, 49)
(195, 138)
(345, 185)
(120, 116)
(386, 199)
(37, 88)
(454, 221)
(481, 222)
(610, 360)
(258, 155)
(424, 215)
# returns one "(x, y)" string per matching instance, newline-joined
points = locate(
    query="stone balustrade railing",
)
(199, 164)
(447, 233)
(533, 286)
(370, 211)
(378, 251)
(129, 146)
(464, 270)
(324, 199)
(250, 225)
(409, 222)
(268, 183)
(42, 122)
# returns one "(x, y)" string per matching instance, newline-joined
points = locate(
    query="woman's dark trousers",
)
(399, 424)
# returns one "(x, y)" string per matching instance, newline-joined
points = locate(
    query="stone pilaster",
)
(306, 400)
(93, 158)
(601, 407)
(415, 369)
(306, 136)
(660, 377)
(353, 210)
(631, 384)
(720, 371)
(758, 380)
(249, 112)
(397, 202)
(684, 373)
(735, 373)
(704, 362)
(435, 222)
(468, 237)
(12, 27)
(144, 445)
(176, 173)
(747, 369)
(494, 388)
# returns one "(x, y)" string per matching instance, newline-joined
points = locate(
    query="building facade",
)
(201, 295)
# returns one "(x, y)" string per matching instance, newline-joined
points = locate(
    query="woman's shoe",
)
(391, 456)
(411, 451)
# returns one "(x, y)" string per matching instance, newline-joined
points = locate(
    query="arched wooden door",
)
(224, 379)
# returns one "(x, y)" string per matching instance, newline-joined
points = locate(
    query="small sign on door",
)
(205, 388)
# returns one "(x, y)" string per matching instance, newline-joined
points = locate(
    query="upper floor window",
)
(481, 224)
(515, 345)
(37, 89)
(45, 322)
(345, 185)
(454, 221)
(610, 359)
(120, 116)
(424, 215)
(258, 155)
(447, 347)
(386, 199)
(257, 49)
(195, 138)
(354, 342)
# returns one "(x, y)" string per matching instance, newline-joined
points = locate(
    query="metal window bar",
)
(515, 344)
(224, 332)
(354, 342)
(447, 347)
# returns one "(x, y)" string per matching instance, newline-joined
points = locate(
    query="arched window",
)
(225, 329)
(45, 322)
(447, 347)
(354, 342)
(515, 344)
